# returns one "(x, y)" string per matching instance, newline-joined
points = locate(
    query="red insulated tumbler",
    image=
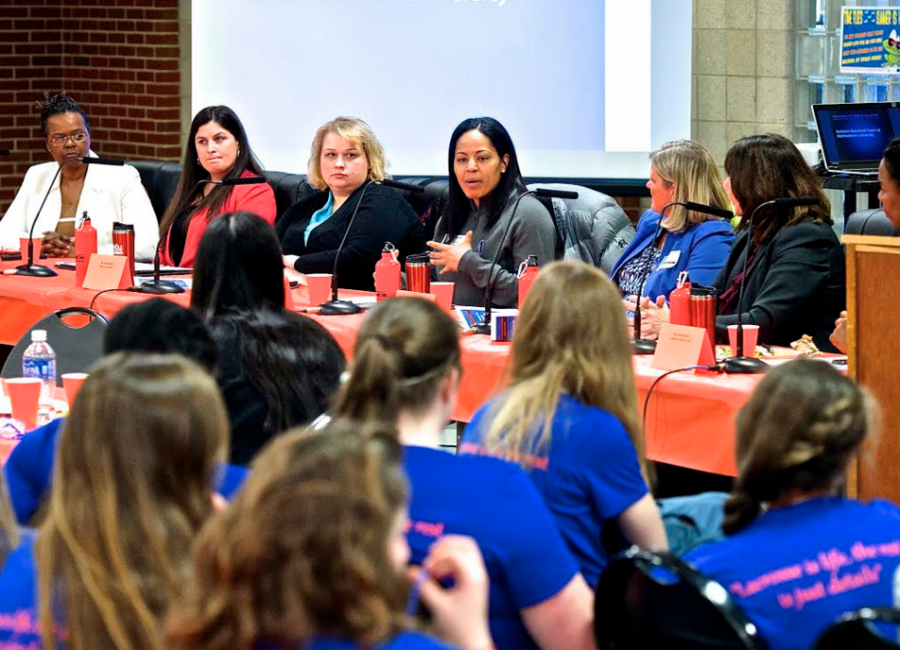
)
(123, 244)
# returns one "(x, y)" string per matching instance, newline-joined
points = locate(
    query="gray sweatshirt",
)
(532, 233)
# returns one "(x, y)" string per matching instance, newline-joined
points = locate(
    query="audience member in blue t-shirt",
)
(688, 240)
(570, 415)
(18, 581)
(29, 472)
(130, 491)
(313, 554)
(798, 556)
(152, 326)
(406, 367)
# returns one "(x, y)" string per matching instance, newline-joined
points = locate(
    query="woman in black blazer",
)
(346, 156)
(795, 277)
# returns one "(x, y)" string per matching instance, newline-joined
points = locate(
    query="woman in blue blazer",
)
(690, 241)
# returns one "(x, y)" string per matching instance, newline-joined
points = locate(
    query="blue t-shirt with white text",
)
(796, 569)
(18, 598)
(588, 475)
(495, 503)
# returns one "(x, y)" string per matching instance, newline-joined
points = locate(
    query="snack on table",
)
(805, 346)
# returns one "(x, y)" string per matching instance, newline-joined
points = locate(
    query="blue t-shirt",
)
(30, 466)
(494, 502)
(403, 641)
(796, 569)
(591, 474)
(18, 598)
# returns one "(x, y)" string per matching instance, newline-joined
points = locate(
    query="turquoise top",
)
(320, 216)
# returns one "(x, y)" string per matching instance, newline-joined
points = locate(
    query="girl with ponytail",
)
(798, 555)
(406, 370)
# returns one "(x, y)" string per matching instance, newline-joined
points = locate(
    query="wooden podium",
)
(873, 337)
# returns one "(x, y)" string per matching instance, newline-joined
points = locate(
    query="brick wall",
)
(118, 58)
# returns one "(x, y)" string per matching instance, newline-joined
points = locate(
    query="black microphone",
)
(484, 327)
(709, 209)
(336, 307)
(248, 180)
(795, 202)
(556, 194)
(409, 187)
(102, 161)
(640, 344)
(5, 152)
(739, 364)
(31, 269)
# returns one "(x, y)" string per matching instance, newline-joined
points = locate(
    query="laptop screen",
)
(856, 135)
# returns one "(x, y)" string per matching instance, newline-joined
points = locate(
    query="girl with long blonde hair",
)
(131, 488)
(570, 414)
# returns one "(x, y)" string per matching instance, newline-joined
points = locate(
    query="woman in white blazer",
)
(107, 193)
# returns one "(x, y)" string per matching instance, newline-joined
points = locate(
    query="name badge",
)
(670, 260)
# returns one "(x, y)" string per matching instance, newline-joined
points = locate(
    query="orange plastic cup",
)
(319, 287)
(443, 293)
(72, 382)
(24, 396)
(751, 336)
(23, 248)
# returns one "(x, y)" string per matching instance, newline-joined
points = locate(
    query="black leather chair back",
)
(870, 222)
(856, 630)
(654, 600)
(430, 204)
(289, 188)
(160, 179)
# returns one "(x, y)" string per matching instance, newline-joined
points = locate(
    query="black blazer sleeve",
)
(788, 282)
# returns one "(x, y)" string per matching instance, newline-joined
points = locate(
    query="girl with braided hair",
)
(798, 554)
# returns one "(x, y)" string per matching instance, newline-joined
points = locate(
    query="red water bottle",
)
(85, 246)
(680, 301)
(528, 272)
(123, 244)
(387, 274)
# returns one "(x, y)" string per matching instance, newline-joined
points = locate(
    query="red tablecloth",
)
(690, 420)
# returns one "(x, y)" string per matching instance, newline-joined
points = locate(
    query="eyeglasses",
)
(60, 140)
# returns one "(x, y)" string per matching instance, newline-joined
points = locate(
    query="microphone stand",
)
(336, 307)
(484, 327)
(156, 286)
(740, 364)
(31, 269)
(639, 344)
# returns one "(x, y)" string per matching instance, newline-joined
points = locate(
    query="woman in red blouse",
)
(217, 149)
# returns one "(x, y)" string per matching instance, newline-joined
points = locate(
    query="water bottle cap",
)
(39, 335)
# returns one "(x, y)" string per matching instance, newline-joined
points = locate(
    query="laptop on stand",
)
(854, 136)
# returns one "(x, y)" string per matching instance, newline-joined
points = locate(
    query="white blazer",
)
(110, 193)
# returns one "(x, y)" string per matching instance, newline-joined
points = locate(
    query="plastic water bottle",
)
(39, 360)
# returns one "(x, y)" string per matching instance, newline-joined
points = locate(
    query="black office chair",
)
(76, 346)
(654, 600)
(870, 222)
(856, 631)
